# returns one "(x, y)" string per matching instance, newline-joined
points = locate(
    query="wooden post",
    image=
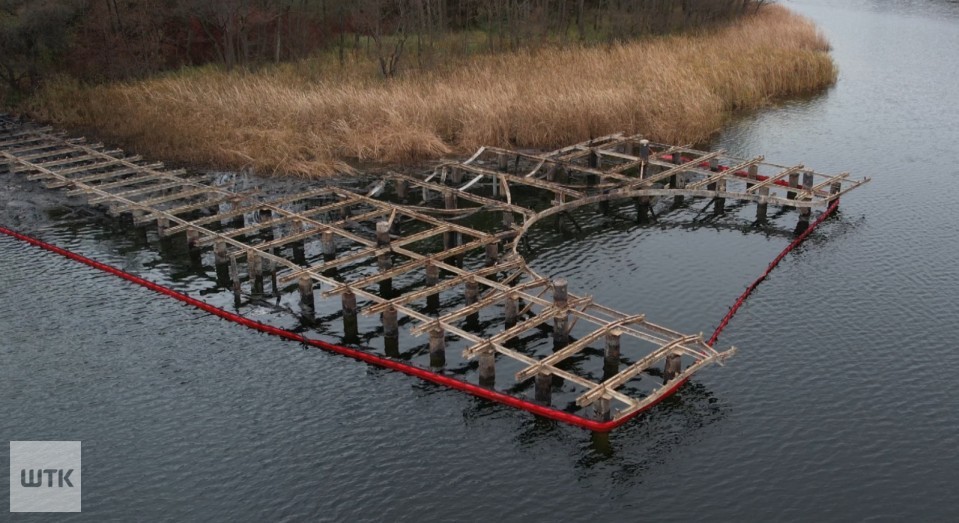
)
(834, 189)
(561, 319)
(512, 310)
(307, 302)
(350, 325)
(502, 162)
(235, 276)
(437, 346)
(472, 291)
(677, 181)
(601, 408)
(593, 161)
(612, 355)
(432, 278)
(391, 328)
(762, 207)
(192, 237)
(713, 167)
(752, 174)
(487, 367)
(793, 182)
(237, 222)
(220, 255)
(673, 367)
(507, 220)
(720, 206)
(299, 249)
(492, 254)
(384, 260)
(264, 216)
(644, 156)
(449, 237)
(805, 212)
(163, 223)
(544, 388)
(401, 186)
(328, 242)
(255, 269)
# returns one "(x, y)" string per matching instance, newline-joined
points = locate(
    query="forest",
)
(105, 40)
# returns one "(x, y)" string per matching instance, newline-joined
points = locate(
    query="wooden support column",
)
(401, 186)
(752, 174)
(437, 346)
(593, 162)
(456, 176)
(644, 157)
(391, 326)
(307, 300)
(492, 254)
(805, 212)
(235, 276)
(299, 248)
(385, 260)
(713, 167)
(328, 241)
(612, 354)
(544, 388)
(512, 310)
(472, 295)
(221, 262)
(507, 220)
(601, 408)
(237, 222)
(432, 278)
(502, 162)
(561, 319)
(762, 207)
(834, 189)
(264, 216)
(719, 207)
(487, 367)
(255, 270)
(793, 182)
(677, 181)
(672, 367)
(350, 325)
(163, 223)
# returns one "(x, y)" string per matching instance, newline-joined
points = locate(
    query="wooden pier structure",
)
(407, 229)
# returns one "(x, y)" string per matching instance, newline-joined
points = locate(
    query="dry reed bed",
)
(293, 119)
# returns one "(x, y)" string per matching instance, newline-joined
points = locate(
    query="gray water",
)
(839, 406)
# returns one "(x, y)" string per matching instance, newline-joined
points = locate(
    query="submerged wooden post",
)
(487, 367)
(437, 346)
(677, 181)
(255, 270)
(544, 388)
(350, 325)
(601, 408)
(492, 254)
(307, 301)
(612, 354)
(512, 310)
(561, 319)
(762, 207)
(752, 174)
(672, 367)
(328, 242)
(391, 328)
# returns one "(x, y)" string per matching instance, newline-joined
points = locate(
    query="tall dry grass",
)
(312, 118)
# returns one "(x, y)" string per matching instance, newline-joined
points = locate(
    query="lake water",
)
(839, 405)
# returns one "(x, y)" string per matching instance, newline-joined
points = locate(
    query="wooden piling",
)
(437, 346)
(612, 354)
(834, 189)
(678, 180)
(401, 186)
(384, 260)
(492, 254)
(794, 183)
(487, 367)
(752, 174)
(561, 318)
(672, 367)
(350, 323)
(255, 270)
(235, 276)
(762, 207)
(719, 206)
(543, 388)
(220, 254)
(512, 310)
(328, 242)
(307, 301)
(391, 327)
(601, 409)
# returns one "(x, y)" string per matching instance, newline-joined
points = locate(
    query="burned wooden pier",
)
(406, 229)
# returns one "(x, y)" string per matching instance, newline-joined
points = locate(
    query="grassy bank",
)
(313, 117)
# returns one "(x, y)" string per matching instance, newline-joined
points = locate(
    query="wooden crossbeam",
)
(775, 178)
(728, 173)
(250, 229)
(66, 182)
(490, 299)
(673, 171)
(183, 195)
(461, 193)
(575, 347)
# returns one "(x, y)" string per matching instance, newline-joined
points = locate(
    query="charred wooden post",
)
(437, 346)
(307, 300)
(561, 317)
(328, 242)
(672, 367)
(543, 389)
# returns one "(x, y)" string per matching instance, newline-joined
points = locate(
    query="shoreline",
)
(283, 119)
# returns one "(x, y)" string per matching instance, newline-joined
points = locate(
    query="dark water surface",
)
(841, 404)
